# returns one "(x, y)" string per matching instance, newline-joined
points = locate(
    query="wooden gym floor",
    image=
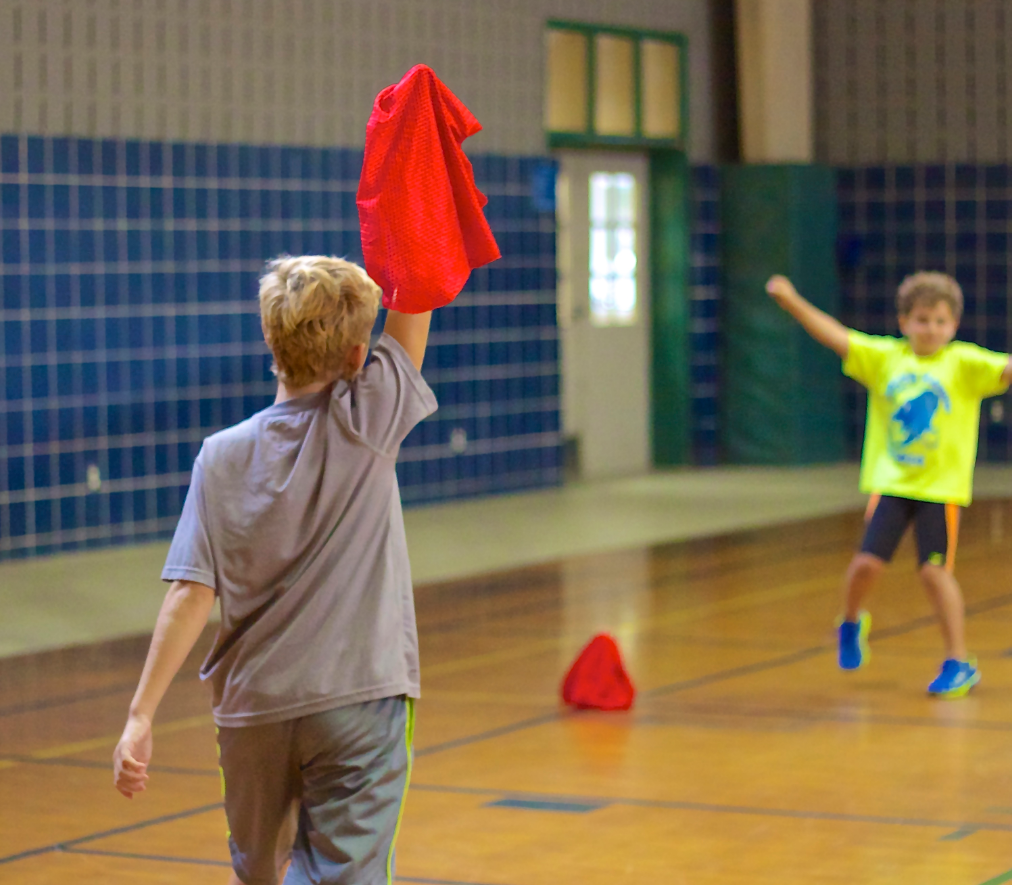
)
(748, 757)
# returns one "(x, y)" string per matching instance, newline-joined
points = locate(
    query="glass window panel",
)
(613, 260)
(566, 89)
(614, 85)
(660, 89)
(600, 184)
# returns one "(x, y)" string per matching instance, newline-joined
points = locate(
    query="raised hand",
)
(781, 289)
(828, 331)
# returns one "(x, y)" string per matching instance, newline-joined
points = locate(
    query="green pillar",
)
(669, 292)
(781, 393)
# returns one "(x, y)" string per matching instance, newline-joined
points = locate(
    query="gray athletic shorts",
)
(326, 790)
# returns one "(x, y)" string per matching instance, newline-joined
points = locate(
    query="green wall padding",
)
(781, 393)
(669, 315)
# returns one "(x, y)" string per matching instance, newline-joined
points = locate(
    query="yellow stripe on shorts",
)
(409, 742)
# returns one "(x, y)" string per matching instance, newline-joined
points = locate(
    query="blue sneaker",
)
(956, 679)
(854, 651)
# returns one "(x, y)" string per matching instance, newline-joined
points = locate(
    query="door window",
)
(613, 298)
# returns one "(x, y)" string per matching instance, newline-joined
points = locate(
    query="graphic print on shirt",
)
(912, 432)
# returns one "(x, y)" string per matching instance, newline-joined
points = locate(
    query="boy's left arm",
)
(411, 331)
(184, 613)
(985, 373)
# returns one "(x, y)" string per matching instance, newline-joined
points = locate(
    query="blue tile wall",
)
(493, 360)
(895, 220)
(128, 276)
(705, 282)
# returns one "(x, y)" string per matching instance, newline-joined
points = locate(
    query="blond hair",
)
(313, 310)
(928, 287)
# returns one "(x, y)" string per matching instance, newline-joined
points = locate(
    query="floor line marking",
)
(1000, 879)
(961, 833)
(224, 863)
(962, 827)
(699, 681)
(678, 616)
(519, 699)
(809, 717)
(140, 825)
(156, 857)
(553, 805)
(13, 759)
(215, 863)
(524, 608)
(804, 654)
(436, 881)
(111, 740)
(32, 852)
(118, 831)
(719, 676)
(784, 660)
(979, 608)
(494, 657)
(493, 733)
(728, 606)
(66, 700)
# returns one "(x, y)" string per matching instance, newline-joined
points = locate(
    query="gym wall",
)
(912, 107)
(154, 153)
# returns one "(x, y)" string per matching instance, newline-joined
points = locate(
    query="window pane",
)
(566, 89)
(612, 249)
(660, 85)
(615, 95)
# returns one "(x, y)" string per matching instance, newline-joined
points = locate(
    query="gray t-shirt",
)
(294, 518)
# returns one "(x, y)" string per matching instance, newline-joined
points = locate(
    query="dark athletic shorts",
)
(936, 529)
(326, 790)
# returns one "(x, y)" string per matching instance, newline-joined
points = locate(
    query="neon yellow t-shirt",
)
(920, 439)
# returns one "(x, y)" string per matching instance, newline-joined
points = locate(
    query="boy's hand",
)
(828, 331)
(781, 289)
(131, 757)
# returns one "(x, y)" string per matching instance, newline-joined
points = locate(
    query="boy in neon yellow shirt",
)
(920, 444)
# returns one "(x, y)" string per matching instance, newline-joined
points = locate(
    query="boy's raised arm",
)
(825, 329)
(410, 331)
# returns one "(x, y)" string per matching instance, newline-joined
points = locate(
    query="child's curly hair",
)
(313, 309)
(928, 287)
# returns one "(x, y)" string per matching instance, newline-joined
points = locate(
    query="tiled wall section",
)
(955, 218)
(130, 328)
(705, 312)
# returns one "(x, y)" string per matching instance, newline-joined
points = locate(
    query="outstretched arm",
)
(828, 331)
(1006, 375)
(411, 331)
(184, 613)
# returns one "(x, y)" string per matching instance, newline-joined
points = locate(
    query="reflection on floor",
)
(748, 758)
(80, 598)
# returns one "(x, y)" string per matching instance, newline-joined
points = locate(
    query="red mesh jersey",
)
(598, 680)
(423, 230)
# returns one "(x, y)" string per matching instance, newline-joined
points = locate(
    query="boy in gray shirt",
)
(293, 524)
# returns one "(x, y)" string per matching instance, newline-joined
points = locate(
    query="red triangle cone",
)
(598, 680)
